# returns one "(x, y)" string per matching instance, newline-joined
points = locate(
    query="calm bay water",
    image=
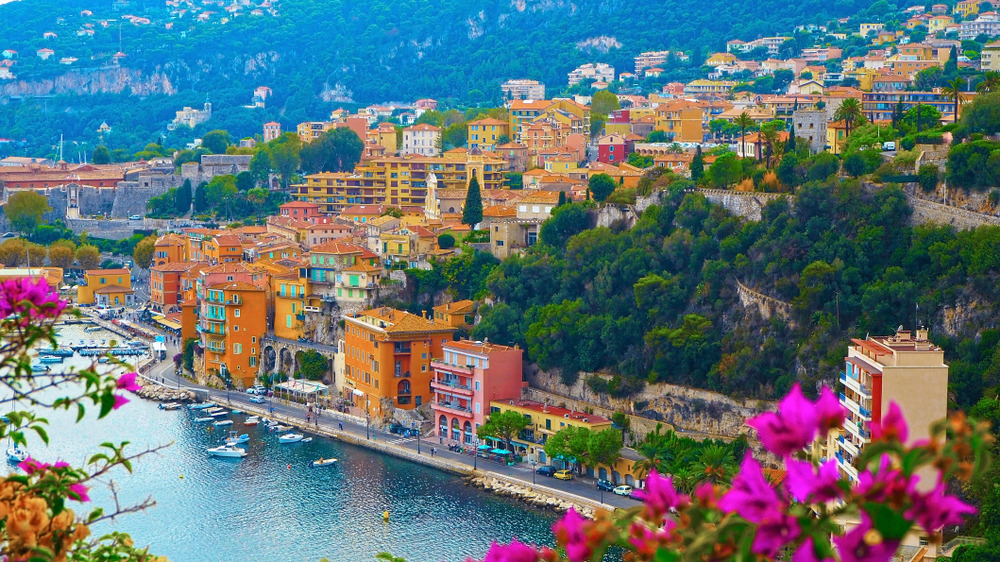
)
(272, 506)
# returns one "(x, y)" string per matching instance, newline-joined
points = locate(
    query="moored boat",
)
(228, 451)
(200, 420)
(235, 439)
(50, 359)
(16, 454)
(203, 406)
(39, 368)
(170, 406)
(291, 438)
(323, 462)
(252, 420)
(221, 423)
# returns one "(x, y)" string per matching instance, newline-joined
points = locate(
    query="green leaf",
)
(107, 404)
(664, 555)
(888, 521)
(41, 433)
(80, 412)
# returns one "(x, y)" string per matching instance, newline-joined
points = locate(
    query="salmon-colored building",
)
(232, 326)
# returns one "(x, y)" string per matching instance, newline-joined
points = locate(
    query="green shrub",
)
(908, 142)
(928, 177)
(929, 138)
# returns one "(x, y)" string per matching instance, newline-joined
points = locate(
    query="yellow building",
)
(401, 180)
(967, 8)
(105, 287)
(719, 59)
(291, 294)
(562, 165)
(523, 112)
(454, 314)
(385, 136)
(486, 134)
(170, 248)
(682, 120)
(312, 130)
(53, 275)
(868, 28)
(836, 136)
(939, 22)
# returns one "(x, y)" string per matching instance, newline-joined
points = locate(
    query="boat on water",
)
(280, 428)
(228, 451)
(93, 329)
(102, 360)
(201, 420)
(221, 423)
(306, 440)
(235, 439)
(58, 352)
(16, 454)
(252, 420)
(237, 412)
(39, 368)
(137, 343)
(170, 406)
(323, 462)
(50, 359)
(203, 406)
(291, 438)
(218, 414)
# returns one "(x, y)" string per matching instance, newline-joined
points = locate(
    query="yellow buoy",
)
(385, 516)
(182, 476)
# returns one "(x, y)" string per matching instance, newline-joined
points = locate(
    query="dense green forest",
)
(658, 302)
(370, 51)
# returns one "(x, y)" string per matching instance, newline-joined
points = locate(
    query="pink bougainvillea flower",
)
(31, 466)
(18, 296)
(791, 428)
(120, 401)
(861, 546)
(892, 426)
(936, 509)
(78, 492)
(830, 413)
(805, 483)
(61, 464)
(775, 533)
(751, 496)
(127, 382)
(885, 483)
(705, 494)
(660, 496)
(647, 541)
(514, 552)
(807, 553)
(571, 532)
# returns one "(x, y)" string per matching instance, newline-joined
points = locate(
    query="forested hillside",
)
(315, 51)
(658, 302)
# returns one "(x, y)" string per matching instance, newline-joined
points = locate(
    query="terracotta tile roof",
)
(235, 286)
(560, 412)
(228, 240)
(457, 307)
(177, 266)
(112, 289)
(498, 211)
(422, 127)
(366, 210)
(477, 347)
(120, 271)
(364, 267)
(336, 248)
(488, 121)
(235, 267)
(400, 322)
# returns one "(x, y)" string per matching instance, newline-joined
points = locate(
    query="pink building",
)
(303, 211)
(272, 131)
(469, 375)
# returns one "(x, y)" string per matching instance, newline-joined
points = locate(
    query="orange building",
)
(225, 248)
(165, 288)
(388, 354)
(454, 314)
(233, 323)
(169, 248)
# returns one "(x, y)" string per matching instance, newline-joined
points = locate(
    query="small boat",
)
(323, 462)
(306, 440)
(50, 359)
(136, 343)
(214, 409)
(16, 454)
(204, 406)
(280, 428)
(227, 451)
(219, 414)
(39, 368)
(102, 360)
(221, 423)
(291, 438)
(58, 352)
(237, 412)
(200, 420)
(252, 420)
(234, 439)
(170, 406)
(92, 329)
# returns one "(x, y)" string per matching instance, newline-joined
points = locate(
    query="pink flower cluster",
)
(37, 298)
(126, 382)
(798, 420)
(30, 466)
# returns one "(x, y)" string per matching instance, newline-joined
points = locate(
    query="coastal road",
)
(236, 399)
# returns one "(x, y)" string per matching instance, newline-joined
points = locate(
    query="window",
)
(253, 361)
(423, 355)
(236, 328)
(237, 348)
(477, 389)
(288, 320)
(478, 405)
(253, 339)
(236, 313)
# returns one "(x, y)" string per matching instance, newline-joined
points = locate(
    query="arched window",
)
(404, 388)
(603, 474)
(468, 432)
(629, 480)
(443, 426)
(456, 431)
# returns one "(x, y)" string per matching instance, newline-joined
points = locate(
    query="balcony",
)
(859, 433)
(401, 374)
(452, 408)
(855, 385)
(451, 387)
(855, 408)
(402, 349)
(848, 445)
(441, 365)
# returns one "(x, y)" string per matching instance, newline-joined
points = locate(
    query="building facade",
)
(232, 325)
(422, 139)
(523, 90)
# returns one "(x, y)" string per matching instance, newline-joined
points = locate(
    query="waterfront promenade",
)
(355, 432)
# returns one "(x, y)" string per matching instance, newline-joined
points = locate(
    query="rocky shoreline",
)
(528, 495)
(159, 393)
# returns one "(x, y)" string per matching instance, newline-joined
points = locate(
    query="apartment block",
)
(523, 89)
(649, 59)
(422, 139)
(231, 327)
(601, 72)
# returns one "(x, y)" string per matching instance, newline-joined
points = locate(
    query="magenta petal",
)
(127, 382)
(936, 509)
(829, 411)
(804, 482)
(120, 401)
(514, 552)
(789, 430)
(852, 546)
(78, 492)
(752, 496)
(573, 526)
(807, 553)
(892, 425)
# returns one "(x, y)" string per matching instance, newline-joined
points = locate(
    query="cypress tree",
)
(200, 202)
(562, 199)
(472, 214)
(182, 199)
(697, 165)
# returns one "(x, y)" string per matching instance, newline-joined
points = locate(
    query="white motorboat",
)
(219, 414)
(200, 420)
(291, 438)
(170, 406)
(227, 451)
(306, 440)
(16, 454)
(221, 423)
(235, 439)
(252, 420)
(213, 410)
(323, 462)
(279, 428)
(204, 406)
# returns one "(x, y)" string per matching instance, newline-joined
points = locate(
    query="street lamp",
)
(532, 462)
(414, 426)
(368, 421)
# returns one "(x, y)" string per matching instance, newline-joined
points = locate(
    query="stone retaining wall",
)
(925, 212)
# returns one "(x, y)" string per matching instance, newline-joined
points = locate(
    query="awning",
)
(358, 392)
(500, 451)
(168, 324)
(302, 387)
(481, 447)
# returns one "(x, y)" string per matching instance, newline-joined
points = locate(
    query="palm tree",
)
(743, 122)
(953, 91)
(715, 464)
(990, 83)
(849, 112)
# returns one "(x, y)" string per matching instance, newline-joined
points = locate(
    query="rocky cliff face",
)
(96, 81)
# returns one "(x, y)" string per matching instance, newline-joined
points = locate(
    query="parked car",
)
(623, 490)
(261, 391)
(399, 429)
(636, 495)
(546, 470)
(251, 391)
(10, 235)
(605, 485)
(257, 399)
(563, 475)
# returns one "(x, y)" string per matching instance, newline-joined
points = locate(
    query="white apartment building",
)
(422, 139)
(602, 72)
(523, 90)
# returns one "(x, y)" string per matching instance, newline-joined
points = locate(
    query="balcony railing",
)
(454, 406)
(453, 384)
(402, 374)
(402, 349)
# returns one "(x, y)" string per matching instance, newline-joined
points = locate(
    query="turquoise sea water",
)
(272, 506)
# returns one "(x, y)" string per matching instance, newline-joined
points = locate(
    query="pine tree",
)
(200, 202)
(472, 214)
(182, 199)
(697, 165)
